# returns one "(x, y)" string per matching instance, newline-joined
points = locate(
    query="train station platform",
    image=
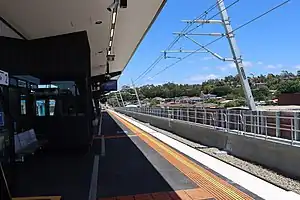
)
(138, 166)
(129, 161)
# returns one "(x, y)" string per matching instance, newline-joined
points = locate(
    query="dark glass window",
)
(51, 106)
(22, 83)
(40, 107)
(13, 81)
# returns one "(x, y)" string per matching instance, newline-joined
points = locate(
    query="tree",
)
(284, 74)
(221, 90)
(289, 86)
(261, 94)
(207, 89)
(241, 102)
(229, 87)
(154, 102)
(230, 104)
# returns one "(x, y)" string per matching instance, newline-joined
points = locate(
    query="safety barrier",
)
(229, 133)
(281, 127)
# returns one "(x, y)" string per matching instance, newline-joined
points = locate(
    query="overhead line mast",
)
(236, 56)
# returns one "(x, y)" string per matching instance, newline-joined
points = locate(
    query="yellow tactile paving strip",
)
(38, 198)
(192, 194)
(206, 180)
(114, 136)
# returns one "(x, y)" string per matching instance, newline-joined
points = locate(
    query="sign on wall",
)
(4, 80)
(109, 86)
(1, 119)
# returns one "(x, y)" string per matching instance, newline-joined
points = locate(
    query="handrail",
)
(273, 128)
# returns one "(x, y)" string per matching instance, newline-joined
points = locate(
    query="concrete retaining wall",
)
(281, 157)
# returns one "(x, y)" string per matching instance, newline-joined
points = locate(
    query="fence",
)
(277, 126)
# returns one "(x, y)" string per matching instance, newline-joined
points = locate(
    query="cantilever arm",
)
(208, 50)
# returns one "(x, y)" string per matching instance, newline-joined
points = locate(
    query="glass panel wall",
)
(40, 108)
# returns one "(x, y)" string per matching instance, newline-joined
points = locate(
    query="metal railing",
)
(283, 127)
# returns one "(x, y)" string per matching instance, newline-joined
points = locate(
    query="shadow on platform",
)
(52, 174)
(130, 166)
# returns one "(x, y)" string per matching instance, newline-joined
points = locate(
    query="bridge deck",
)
(132, 165)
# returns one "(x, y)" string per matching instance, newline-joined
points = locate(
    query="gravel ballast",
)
(259, 171)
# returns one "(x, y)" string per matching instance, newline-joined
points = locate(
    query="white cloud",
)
(297, 66)
(245, 63)
(248, 64)
(201, 78)
(156, 84)
(207, 58)
(271, 66)
(260, 63)
(231, 65)
(277, 66)
(150, 78)
(222, 68)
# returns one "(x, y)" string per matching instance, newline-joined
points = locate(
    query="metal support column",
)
(258, 122)
(278, 124)
(222, 118)
(121, 98)
(251, 121)
(204, 118)
(236, 54)
(136, 94)
(262, 122)
(296, 126)
(117, 100)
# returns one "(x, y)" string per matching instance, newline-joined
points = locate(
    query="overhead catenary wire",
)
(210, 43)
(230, 5)
(149, 69)
(204, 14)
(249, 22)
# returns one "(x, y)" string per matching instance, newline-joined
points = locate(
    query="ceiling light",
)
(98, 22)
(112, 33)
(114, 17)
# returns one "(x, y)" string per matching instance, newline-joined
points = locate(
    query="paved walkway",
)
(138, 166)
(130, 164)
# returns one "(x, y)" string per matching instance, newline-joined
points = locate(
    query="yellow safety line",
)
(197, 170)
(38, 198)
(115, 136)
(186, 162)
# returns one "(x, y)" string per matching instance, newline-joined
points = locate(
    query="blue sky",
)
(268, 45)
